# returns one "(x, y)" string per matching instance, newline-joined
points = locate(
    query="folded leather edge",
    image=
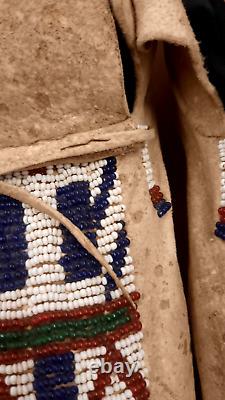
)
(79, 146)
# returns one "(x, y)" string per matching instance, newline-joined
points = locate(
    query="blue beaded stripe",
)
(73, 201)
(13, 245)
(52, 374)
(118, 263)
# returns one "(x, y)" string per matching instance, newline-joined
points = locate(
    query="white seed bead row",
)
(131, 339)
(43, 233)
(221, 147)
(53, 306)
(63, 288)
(109, 229)
(45, 268)
(107, 239)
(17, 368)
(45, 278)
(19, 390)
(112, 219)
(88, 354)
(22, 379)
(148, 167)
(52, 296)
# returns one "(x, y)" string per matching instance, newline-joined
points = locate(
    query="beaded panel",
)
(59, 308)
(160, 204)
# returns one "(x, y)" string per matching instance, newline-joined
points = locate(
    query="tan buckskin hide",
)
(62, 96)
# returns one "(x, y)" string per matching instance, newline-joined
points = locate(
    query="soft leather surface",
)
(60, 70)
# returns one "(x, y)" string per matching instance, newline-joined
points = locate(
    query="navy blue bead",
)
(80, 275)
(59, 358)
(73, 253)
(220, 234)
(117, 264)
(220, 226)
(77, 187)
(15, 230)
(100, 205)
(122, 233)
(108, 296)
(53, 369)
(111, 286)
(109, 177)
(91, 236)
(163, 210)
(13, 272)
(118, 254)
(13, 264)
(11, 275)
(111, 161)
(82, 264)
(12, 285)
(118, 272)
(158, 205)
(55, 380)
(123, 243)
(100, 198)
(106, 185)
(97, 216)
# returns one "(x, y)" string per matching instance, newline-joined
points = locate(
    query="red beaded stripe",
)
(48, 317)
(11, 357)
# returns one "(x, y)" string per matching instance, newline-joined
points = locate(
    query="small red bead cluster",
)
(155, 194)
(159, 203)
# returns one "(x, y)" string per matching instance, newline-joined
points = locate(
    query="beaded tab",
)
(160, 204)
(220, 225)
(60, 309)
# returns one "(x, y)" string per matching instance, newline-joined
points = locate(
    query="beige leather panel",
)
(60, 69)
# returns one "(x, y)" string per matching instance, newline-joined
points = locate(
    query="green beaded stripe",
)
(60, 331)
